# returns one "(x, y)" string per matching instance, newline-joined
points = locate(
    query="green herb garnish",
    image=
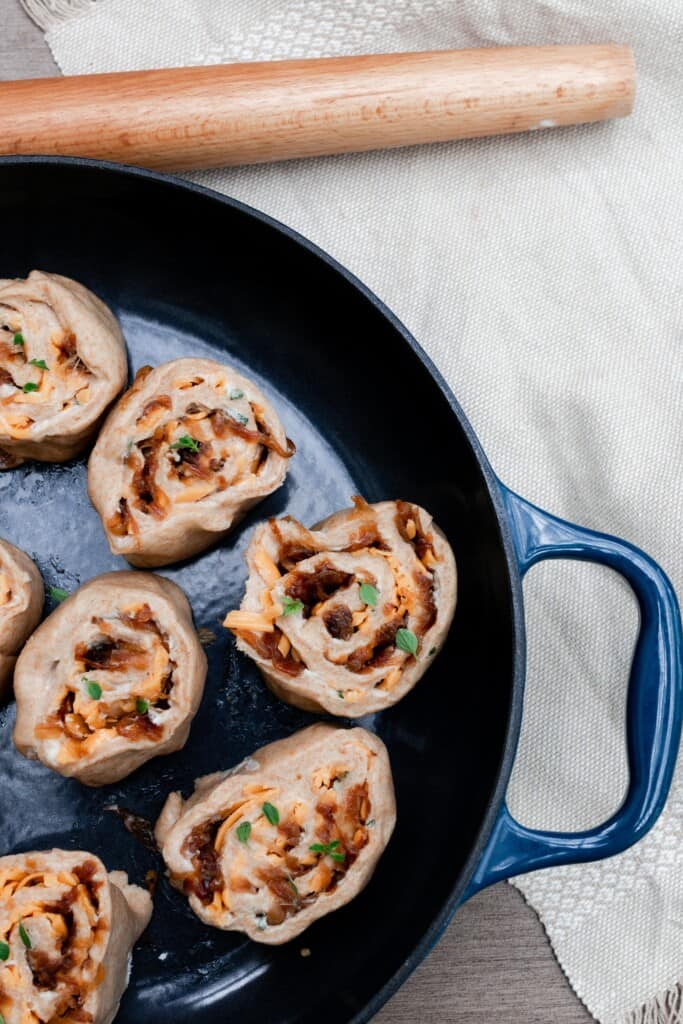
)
(329, 850)
(340, 694)
(237, 393)
(24, 935)
(29, 387)
(368, 594)
(57, 593)
(240, 417)
(293, 885)
(406, 640)
(94, 689)
(243, 831)
(142, 706)
(40, 363)
(18, 338)
(432, 652)
(290, 606)
(271, 813)
(186, 442)
(4, 950)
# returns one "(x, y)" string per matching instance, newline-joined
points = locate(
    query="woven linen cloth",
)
(542, 275)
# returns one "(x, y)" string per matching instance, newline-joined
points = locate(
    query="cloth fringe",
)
(48, 13)
(666, 1008)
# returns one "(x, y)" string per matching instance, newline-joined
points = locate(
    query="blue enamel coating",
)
(654, 708)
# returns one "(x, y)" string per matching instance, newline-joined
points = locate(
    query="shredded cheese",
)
(17, 426)
(266, 567)
(249, 621)
(284, 645)
(195, 492)
(391, 680)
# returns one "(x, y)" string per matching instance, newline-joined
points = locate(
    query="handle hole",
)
(571, 771)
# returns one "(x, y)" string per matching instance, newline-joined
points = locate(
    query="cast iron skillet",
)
(190, 272)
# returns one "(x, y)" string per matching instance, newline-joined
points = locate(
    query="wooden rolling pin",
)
(186, 118)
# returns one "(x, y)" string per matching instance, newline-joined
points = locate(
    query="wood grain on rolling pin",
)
(184, 118)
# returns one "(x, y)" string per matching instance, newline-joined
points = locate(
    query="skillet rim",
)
(493, 486)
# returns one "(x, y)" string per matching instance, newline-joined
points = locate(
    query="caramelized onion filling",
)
(116, 683)
(346, 616)
(292, 852)
(37, 379)
(55, 936)
(187, 457)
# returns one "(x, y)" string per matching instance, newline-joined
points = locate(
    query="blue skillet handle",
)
(654, 707)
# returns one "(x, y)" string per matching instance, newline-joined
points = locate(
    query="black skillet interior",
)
(188, 273)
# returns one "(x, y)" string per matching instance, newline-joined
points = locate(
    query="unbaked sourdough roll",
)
(186, 452)
(62, 364)
(289, 835)
(67, 928)
(113, 677)
(346, 617)
(21, 603)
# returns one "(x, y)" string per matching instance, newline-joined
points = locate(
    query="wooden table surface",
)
(494, 963)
